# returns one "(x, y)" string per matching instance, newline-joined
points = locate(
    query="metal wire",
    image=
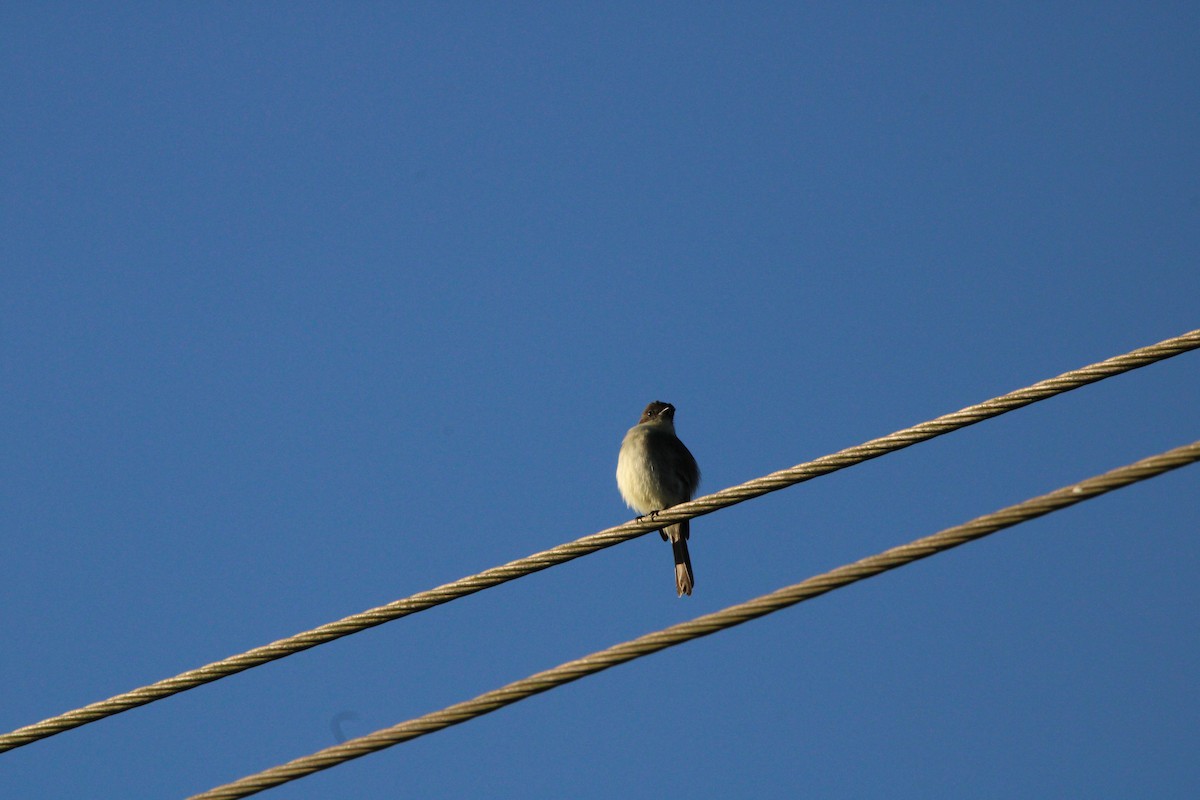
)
(597, 541)
(709, 623)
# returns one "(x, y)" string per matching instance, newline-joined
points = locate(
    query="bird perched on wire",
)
(656, 471)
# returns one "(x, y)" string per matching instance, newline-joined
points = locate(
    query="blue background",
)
(305, 308)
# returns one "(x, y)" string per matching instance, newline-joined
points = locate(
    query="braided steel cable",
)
(597, 541)
(708, 623)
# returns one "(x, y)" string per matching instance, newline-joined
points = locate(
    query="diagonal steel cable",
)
(598, 541)
(708, 623)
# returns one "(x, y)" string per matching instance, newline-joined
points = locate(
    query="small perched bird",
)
(656, 471)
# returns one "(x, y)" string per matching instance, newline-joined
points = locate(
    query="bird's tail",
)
(685, 579)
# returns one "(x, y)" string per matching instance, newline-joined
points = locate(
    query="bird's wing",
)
(684, 468)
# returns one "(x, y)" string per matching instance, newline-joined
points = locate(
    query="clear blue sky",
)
(308, 307)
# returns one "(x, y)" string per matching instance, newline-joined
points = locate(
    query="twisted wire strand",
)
(708, 623)
(597, 541)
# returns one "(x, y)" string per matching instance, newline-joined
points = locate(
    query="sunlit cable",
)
(597, 541)
(708, 623)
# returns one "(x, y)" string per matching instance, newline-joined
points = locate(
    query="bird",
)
(656, 471)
